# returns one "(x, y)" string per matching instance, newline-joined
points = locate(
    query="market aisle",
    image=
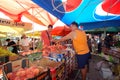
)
(93, 74)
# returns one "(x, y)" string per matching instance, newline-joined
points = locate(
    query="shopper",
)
(108, 40)
(11, 44)
(46, 36)
(81, 48)
(89, 42)
(18, 45)
(24, 43)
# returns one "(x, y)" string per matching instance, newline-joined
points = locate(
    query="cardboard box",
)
(23, 63)
(14, 66)
(106, 73)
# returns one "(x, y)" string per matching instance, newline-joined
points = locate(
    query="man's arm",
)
(71, 35)
(12, 44)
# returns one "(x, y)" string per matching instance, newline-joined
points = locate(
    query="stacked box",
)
(67, 68)
(73, 62)
(70, 64)
(58, 73)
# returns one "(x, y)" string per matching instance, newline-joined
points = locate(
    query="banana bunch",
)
(5, 52)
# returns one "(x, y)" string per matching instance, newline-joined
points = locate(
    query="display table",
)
(113, 54)
(59, 69)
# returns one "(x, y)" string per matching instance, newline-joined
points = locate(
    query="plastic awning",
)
(16, 9)
(84, 12)
(87, 13)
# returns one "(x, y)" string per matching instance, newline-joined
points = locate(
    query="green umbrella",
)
(105, 29)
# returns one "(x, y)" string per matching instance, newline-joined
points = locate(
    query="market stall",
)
(58, 65)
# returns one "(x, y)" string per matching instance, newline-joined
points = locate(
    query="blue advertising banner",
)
(82, 11)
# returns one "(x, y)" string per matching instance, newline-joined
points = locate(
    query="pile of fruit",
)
(46, 63)
(58, 49)
(29, 52)
(5, 52)
(24, 74)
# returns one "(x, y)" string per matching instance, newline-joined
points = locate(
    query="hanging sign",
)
(24, 25)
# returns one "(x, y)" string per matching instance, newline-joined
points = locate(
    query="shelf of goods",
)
(113, 55)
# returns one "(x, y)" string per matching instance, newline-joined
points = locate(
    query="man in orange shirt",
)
(46, 36)
(80, 45)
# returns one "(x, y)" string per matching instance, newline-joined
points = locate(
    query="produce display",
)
(24, 74)
(58, 49)
(113, 52)
(117, 44)
(29, 52)
(5, 52)
(49, 58)
(46, 63)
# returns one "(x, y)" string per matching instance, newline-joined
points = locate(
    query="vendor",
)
(12, 45)
(46, 36)
(81, 48)
(24, 43)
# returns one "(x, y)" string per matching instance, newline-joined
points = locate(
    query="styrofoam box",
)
(106, 73)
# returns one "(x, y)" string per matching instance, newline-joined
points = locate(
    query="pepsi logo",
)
(107, 10)
(111, 6)
(68, 5)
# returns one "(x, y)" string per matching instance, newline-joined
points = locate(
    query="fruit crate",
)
(23, 63)
(12, 66)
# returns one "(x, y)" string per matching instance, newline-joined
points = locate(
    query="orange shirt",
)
(80, 42)
(46, 38)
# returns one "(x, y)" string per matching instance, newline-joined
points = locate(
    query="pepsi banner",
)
(82, 11)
